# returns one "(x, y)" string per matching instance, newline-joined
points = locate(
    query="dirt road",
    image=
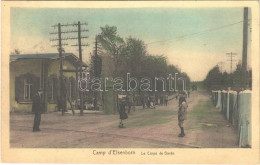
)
(205, 127)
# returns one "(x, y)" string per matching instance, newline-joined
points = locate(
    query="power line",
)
(197, 33)
(76, 29)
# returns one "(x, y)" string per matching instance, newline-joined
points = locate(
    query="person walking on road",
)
(122, 114)
(37, 109)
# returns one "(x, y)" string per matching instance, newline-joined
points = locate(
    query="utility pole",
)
(60, 50)
(95, 70)
(244, 53)
(61, 67)
(80, 66)
(79, 31)
(231, 55)
(60, 39)
(95, 67)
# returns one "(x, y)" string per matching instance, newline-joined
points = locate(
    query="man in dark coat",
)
(37, 109)
(122, 113)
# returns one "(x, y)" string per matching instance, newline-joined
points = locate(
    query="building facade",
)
(30, 72)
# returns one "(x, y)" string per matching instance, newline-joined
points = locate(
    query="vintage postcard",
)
(130, 82)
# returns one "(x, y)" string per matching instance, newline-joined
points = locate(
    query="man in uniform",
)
(182, 113)
(37, 109)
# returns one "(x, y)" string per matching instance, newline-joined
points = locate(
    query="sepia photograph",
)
(114, 80)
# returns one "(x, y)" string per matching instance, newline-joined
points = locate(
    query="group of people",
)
(182, 112)
(38, 109)
(150, 102)
(147, 102)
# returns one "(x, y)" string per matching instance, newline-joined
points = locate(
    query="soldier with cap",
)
(37, 109)
(182, 113)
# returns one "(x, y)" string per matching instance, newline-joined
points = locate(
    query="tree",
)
(95, 71)
(112, 43)
(213, 79)
(130, 56)
(134, 53)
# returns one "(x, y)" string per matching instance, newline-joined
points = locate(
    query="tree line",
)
(215, 80)
(130, 55)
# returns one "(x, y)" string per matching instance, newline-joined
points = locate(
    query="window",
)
(71, 88)
(27, 90)
(26, 86)
(52, 88)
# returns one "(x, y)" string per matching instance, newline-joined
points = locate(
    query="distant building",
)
(29, 72)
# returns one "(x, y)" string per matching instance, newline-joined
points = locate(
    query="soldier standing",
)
(37, 109)
(182, 115)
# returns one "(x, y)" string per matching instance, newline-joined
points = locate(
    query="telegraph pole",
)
(95, 58)
(244, 53)
(61, 67)
(60, 50)
(60, 39)
(80, 66)
(79, 38)
(231, 55)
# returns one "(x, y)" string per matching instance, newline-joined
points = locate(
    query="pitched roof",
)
(70, 56)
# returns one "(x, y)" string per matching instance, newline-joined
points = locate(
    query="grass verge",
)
(204, 115)
(151, 117)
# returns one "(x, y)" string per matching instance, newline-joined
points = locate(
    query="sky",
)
(194, 39)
